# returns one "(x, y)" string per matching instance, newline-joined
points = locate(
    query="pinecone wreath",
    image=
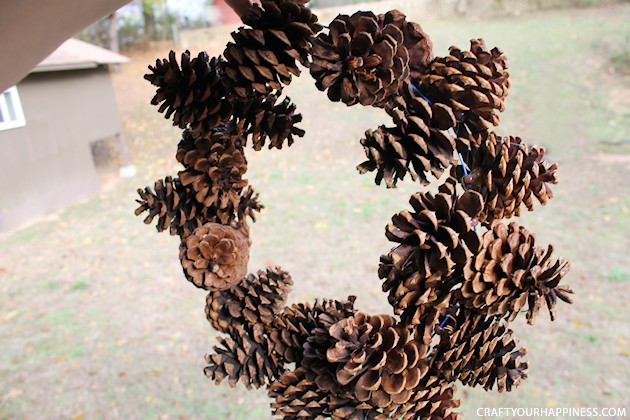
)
(456, 275)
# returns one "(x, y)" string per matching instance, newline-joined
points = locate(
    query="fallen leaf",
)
(12, 394)
(11, 315)
(61, 358)
(321, 225)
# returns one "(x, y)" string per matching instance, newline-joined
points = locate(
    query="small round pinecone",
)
(192, 94)
(416, 41)
(360, 60)
(215, 256)
(510, 271)
(255, 302)
(418, 144)
(472, 83)
(508, 173)
(479, 350)
(264, 57)
(436, 240)
(377, 359)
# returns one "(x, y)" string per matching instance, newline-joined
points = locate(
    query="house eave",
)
(64, 67)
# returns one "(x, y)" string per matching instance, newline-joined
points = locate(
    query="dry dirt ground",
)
(97, 321)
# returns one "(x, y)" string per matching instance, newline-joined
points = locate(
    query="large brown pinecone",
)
(416, 41)
(255, 302)
(192, 94)
(433, 399)
(215, 165)
(362, 59)
(376, 358)
(215, 256)
(264, 57)
(418, 144)
(479, 350)
(297, 396)
(174, 206)
(510, 271)
(472, 83)
(204, 149)
(296, 324)
(436, 241)
(240, 358)
(508, 174)
(267, 118)
(217, 177)
(178, 211)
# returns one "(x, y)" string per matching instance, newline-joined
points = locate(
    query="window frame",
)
(19, 120)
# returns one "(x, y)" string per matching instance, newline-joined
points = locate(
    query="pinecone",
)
(508, 173)
(179, 212)
(509, 271)
(436, 240)
(418, 144)
(215, 256)
(264, 57)
(362, 59)
(192, 94)
(297, 396)
(377, 359)
(472, 83)
(297, 323)
(479, 350)
(416, 41)
(220, 172)
(240, 357)
(173, 204)
(255, 302)
(432, 400)
(267, 119)
(203, 149)
(248, 205)
(215, 168)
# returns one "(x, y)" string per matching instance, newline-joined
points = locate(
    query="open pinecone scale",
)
(456, 274)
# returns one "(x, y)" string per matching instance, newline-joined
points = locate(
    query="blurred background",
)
(96, 318)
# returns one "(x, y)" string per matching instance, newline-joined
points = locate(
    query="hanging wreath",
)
(456, 274)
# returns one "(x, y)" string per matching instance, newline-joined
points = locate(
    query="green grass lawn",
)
(97, 321)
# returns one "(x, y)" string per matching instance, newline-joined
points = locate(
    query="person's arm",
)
(32, 29)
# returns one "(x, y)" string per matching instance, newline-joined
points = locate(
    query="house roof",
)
(75, 54)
